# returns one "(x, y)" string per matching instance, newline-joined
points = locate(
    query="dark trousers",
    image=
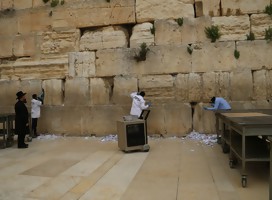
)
(21, 139)
(34, 125)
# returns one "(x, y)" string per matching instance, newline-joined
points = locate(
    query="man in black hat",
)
(21, 119)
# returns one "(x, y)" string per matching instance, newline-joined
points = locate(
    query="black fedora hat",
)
(20, 94)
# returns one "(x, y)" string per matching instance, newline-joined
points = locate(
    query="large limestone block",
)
(209, 85)
(38, 3)
(238, 7)
(195, 84)
(24, 45)
(203, 120)
(245, 105)
(22, 4)
(207, 8)
(232, 27)
(81, 64)
(182, 90)
(123, 86)
(8, 26)
(107, 37)
(254, 54)
(169, 32)
(153, 9)
(259, 23)
(54, 91)
(54, 67)
(213, 57)
(159, 88)
(241, 85)
(165, 59)
(141, 33)
(6, 4)
(259, 85)
(101, 90)
(269, 84)
(111, 62)
(8, 90)
(30, 87)
(222, 84)
(60, 42)
(6, 46)
(34, 21)
(77, 92)
(170, 120)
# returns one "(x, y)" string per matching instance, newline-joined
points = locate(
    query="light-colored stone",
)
(222, 84)
(8, 90)
(169, 32)
(54, 92)
(82, 64)
(30, 87)
(259, 85)
(181, 84)
(107, 37)
(208, 7)
(8, 26)
(22, 4)
(254, 54)
(232, 27)
(6, 47)
(101, 91)
(151, 10)
(203, 121)
(241, 85)
(77, 92)
(269, 84)
(213, 57)
(245, 105)
(141, 33)
(60, 42)
(209, 85)
(6, 4)
(24, 45)
(123, 86)
(239, 7)
(259, 23)
(195, 84)
(37, 3)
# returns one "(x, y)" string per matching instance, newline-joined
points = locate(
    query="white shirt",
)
(35, 108)
(138, 104)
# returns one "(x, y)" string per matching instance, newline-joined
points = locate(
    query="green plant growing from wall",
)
(268, 10)
(152, 30)
(268, 34)
(179, 21)
(190, 49)
(141, 56)
(236, 54)
(250, 36)
(212, 33)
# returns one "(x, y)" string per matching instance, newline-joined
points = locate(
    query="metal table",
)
(7, 130)
(239, 136)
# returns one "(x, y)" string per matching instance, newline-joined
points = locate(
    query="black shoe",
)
(23, 147)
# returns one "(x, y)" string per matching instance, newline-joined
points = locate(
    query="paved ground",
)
(88, 169)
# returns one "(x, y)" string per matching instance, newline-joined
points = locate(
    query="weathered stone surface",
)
(82, 64)
(54, 67)
(60, 42)
(222, 84)
(254, 54)
(8, 90)
(101, 91)
(195, 84)
(151, 10)
(209, 85)
(232, 27)
(37, 3)
(5, 4)
(259, 23)
(169, 32)
(159, 88)
(259, 85)
(241, 85)
(123, 86)
(239, 7)
(107, 37)
(210, 56)
(181, 84)
(24, 45)
(54, 91)
(6, 46)
(22, 4)
(203, 121)
(269, 83)
(77, 92)
(207, 8)
(170, 120)
(141, 33)
(241, 105)
(8, 26)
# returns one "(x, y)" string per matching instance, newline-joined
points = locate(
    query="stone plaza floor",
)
(88, 168)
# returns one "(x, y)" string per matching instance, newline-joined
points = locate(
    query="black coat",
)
(21, 118)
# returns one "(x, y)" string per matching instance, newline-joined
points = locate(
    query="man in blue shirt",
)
(218, 103)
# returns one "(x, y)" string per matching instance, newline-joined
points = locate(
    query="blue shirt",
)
(219, 104)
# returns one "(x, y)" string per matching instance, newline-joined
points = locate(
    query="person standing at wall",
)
(35, 114)
(138, 103)
(218, 103)
(21, 119)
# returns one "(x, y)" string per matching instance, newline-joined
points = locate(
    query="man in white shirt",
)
(35, 113)
(138, 103)
(218, 103)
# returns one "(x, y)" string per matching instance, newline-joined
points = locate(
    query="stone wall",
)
(83, 54)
